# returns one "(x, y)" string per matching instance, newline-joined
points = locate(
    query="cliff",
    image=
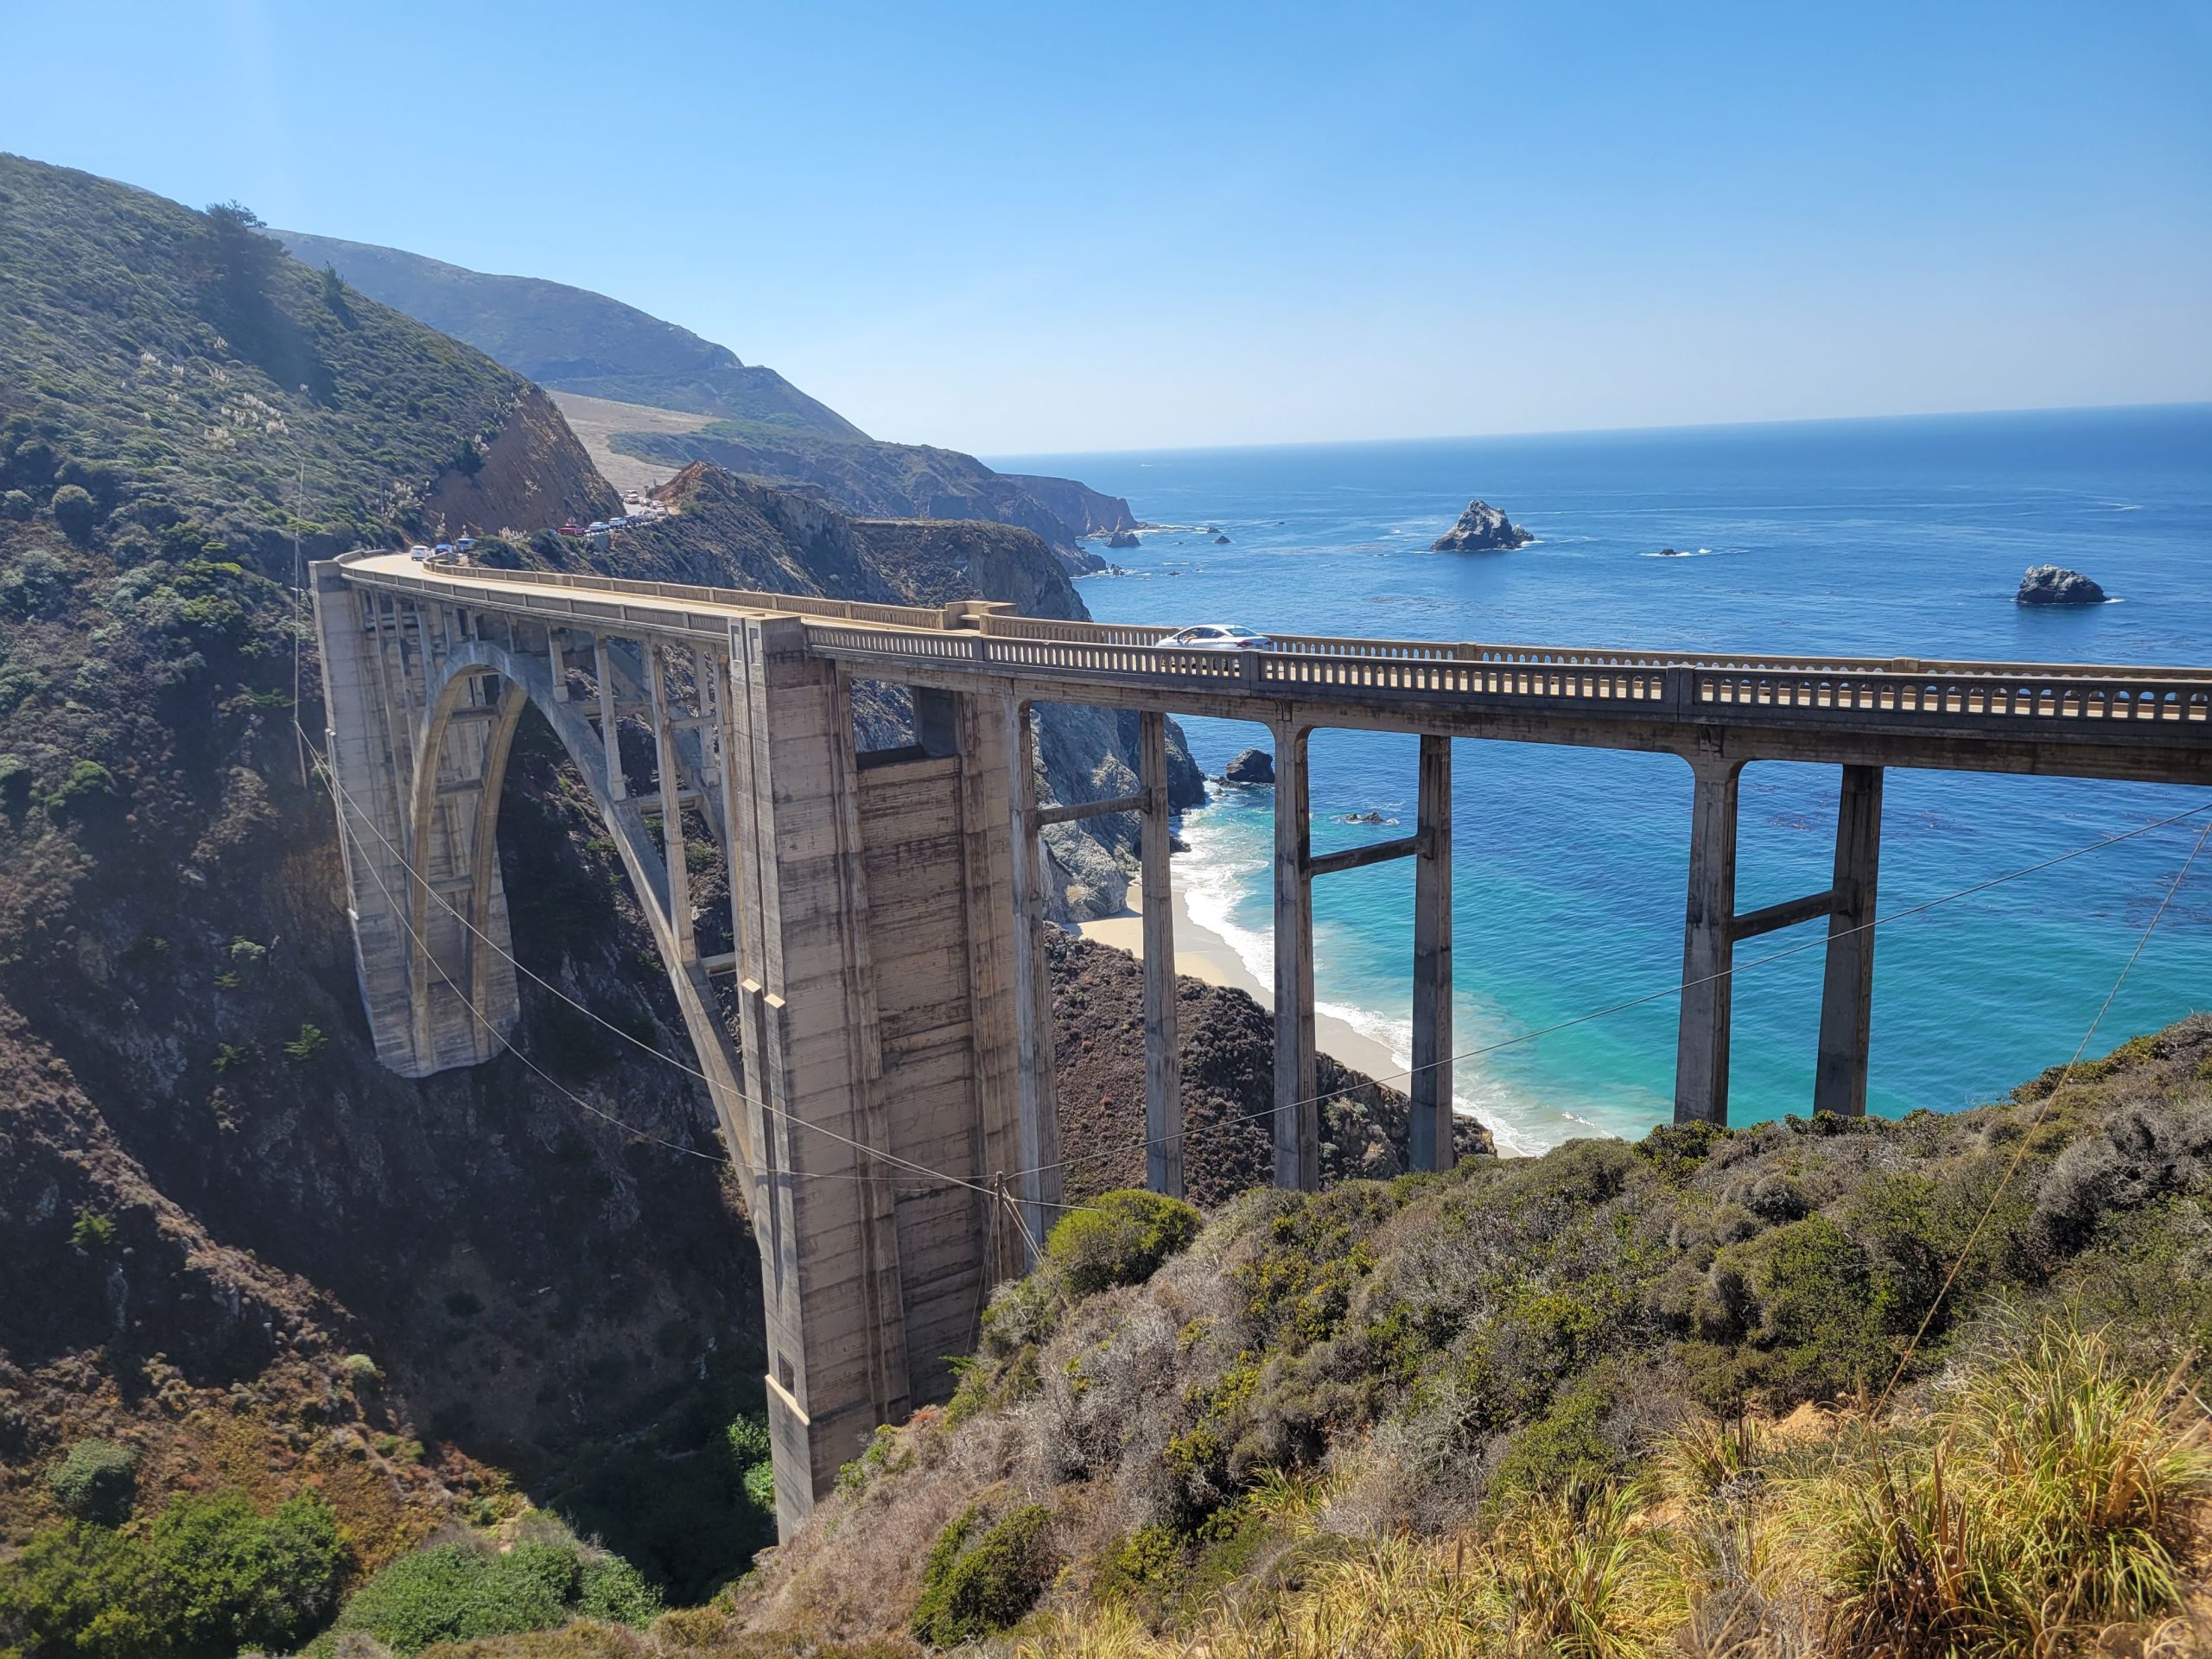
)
(1083, 509)
(873, 481)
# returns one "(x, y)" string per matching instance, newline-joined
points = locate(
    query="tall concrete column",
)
(1037, 1113)
(1163, 1060)
(1709, 944)
(1430, 1136)
(837, 1364)
(1298, 1115)
(1848, 990)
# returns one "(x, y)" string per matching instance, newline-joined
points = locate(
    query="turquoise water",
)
(1899, 537)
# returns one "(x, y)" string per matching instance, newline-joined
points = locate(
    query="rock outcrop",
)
(1482, 529)
(1123, 538)
(1253, 766)
(2051, 584)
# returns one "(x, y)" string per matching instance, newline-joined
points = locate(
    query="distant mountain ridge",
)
(574, 340)
(570, 338)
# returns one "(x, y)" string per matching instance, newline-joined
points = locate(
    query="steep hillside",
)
(1610, 1400)
(571, 339)
(213, 1198)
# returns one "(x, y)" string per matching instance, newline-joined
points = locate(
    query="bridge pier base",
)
(1298, 1115)
(1163, 1060)
(1709, 944)
(1847, 987)
(1429, 1133)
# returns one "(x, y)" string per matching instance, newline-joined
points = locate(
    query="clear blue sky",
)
(1020, 228)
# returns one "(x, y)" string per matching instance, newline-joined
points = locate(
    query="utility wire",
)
(343, 800)
(2042, 1108)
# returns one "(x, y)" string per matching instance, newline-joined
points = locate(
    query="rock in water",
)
(1221, 540)
(1482, 529)
(1253, 766)
(2049, 584)
(1123, 538)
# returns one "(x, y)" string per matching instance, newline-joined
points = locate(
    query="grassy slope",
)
(1451, 1356)
(571, 339)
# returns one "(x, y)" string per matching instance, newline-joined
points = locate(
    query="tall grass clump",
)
(2057, 1500)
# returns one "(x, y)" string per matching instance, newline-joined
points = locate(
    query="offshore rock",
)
(1482, 529)
(1123, 538)
(1253, 766)
(2049, 584)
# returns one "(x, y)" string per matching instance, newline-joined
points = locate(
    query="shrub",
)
(1119, 1238)
(95, 1481)
(974, 1590)
(468, 1589)
(88, 784)
(211, 1576)
(92, 1231)
(16, 504)
(360, 1369)
(75, 511)
(469, 459)
(304, 1048)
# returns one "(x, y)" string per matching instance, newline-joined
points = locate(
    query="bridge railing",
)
(1629, 682)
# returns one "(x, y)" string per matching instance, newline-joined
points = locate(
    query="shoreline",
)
(1202, 954)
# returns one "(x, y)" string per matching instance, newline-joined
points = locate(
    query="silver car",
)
(1214, 636)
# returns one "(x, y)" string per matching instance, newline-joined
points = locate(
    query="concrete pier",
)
(878, 1046)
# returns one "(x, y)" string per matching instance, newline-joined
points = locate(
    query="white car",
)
(1213, 636)
(419, 553)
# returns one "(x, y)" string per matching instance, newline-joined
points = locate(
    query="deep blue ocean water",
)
(1893, 538)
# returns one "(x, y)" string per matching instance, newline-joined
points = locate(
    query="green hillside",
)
(195, 369)
(572, 340)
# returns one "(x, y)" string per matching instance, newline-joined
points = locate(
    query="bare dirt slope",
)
(596, 420)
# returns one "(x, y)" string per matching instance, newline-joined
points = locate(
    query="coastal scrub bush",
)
(980, 1580)
(88, 783)
(74, 512)
(91, 1232)
(17, 504)
(1118, 1238)
(210, 1576)
(95, 1481)
(459, 1589)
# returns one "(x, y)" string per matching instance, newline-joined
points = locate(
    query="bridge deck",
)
(2149, 722)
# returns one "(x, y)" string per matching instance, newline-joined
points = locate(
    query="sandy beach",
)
(1203, 954)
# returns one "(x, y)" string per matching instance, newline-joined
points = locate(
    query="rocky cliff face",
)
(1081, 509)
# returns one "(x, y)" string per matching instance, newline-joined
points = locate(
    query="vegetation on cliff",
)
(1619, 1399)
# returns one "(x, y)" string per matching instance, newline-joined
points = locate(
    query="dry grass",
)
(2046, 1501)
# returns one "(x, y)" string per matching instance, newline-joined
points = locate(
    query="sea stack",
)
(1123, 538)
(2050, 584)
(1482, 529)
(1253, 766)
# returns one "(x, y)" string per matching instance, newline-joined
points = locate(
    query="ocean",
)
(1881, 537)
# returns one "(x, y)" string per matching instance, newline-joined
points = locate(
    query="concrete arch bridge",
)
(877, 1043)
